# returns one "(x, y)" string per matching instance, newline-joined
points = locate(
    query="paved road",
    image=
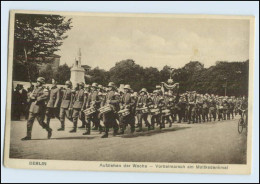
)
(212, 142)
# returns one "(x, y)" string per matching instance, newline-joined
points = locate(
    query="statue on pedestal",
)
(77, 72)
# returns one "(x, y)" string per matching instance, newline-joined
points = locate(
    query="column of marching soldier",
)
(117, 109)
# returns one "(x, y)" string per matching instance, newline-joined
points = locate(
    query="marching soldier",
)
(192, 107)
(205, 109)
(198, 107)
(231, 108)
(168, 104)
(127, 102)
(66, 105)
(37, 107)
(212, 108)
(94, 101)
(109, 118)
(53, 102)
(220, 108)
(157, 101)
(142, 102)
(181, 108)
(78, 106)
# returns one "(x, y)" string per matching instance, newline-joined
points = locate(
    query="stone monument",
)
(77, 72)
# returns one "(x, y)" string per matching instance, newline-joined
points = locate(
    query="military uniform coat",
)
(38, 98)
(54, 97)
(79, 99)
(67, 98)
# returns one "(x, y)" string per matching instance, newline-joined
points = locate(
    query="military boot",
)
(105, 135)
(26, 138)
(87, 132)
(49, 133)
(73, 130)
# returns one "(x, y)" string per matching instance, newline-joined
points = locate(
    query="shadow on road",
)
(153, 132)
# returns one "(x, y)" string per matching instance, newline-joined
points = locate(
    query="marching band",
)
(114, 108)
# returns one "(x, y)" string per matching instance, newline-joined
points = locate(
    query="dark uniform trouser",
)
(50, 112)
(30, 122)
(155, 119)
(212, 113)
(224, 113)
(109, 120)
(64, 112)
(141, 117)
(192, 113)
(231, 112)
(220, 112)
(94, 118)
(75, 116)
(205, 112)
(181, 114)
(124, 121)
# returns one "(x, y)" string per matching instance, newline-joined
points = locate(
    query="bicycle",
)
(242, 122)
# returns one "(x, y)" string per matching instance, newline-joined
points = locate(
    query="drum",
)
(105, 109)
(89, 111)
(142, 110)
(166, 112)
(155, 111)
(124, 112)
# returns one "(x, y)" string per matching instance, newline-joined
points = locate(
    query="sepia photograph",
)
(129, 92)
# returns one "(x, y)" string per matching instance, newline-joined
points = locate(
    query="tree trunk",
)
(27, 65)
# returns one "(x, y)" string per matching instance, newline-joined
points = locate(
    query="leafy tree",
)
(62, 74)
(38, 36)
(47, 72)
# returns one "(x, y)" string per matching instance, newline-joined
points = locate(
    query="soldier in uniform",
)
(212, 108)
(192, 107)
(127, 102)
(205, 109)
(37, 107)
(168, 104)
(231, 108)
(109, 118)
(220, 108)
(225, 108)
(142, 102)
(66, 105)
(93, 101)
(78, 106)
(157, 101)
(181, 108)
(53, 102)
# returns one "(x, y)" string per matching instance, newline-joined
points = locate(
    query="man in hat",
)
(37, 107)
(109, 118)
(142, 102)
(66, 104)
(78, 106)
(127, 102)
(93, 101)
(53, 102)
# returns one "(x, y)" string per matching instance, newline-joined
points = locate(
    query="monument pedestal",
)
(77, 75)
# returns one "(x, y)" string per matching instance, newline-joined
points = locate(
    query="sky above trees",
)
(155, 42)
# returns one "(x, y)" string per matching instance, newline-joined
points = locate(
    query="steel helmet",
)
(111, 84)
(41, 80)
(68, 83)
(94, 84)
(127, 86)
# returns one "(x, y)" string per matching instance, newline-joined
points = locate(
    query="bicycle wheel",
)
(240, 125)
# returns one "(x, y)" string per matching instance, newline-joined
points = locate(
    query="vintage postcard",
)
(129, 92)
